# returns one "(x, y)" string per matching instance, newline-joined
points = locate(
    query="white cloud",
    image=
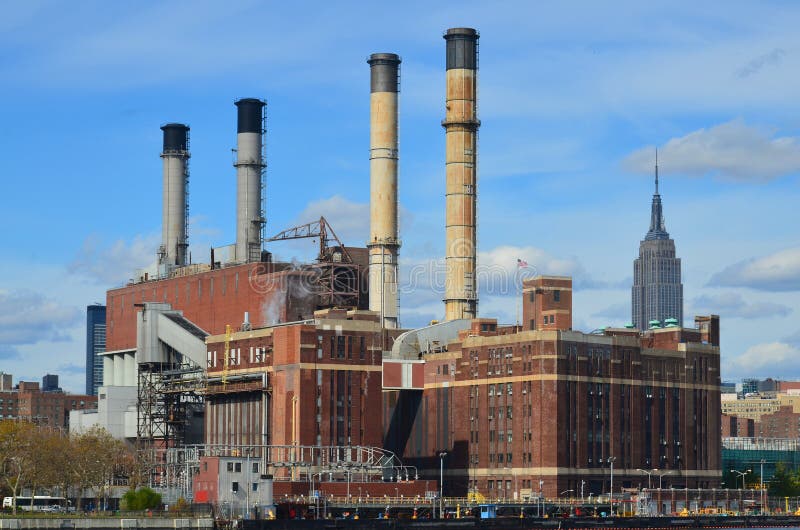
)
(773, 359)
(731, 150)
(779, 271)
(350, 220)
(27, 317)
(733, 305)
(116, 263)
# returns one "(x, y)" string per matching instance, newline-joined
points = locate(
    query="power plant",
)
(301, 373)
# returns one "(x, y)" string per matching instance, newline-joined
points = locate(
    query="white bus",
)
(41, 503)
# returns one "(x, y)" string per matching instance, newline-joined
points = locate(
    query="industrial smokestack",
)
(383, 241)
(461, 131)
(249, 179)
(175, 210)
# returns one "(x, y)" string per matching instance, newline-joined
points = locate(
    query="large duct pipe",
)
(461, 130)
(249, 169)
(175, 154)
(383, 241)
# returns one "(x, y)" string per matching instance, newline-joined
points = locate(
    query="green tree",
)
(784, 483)
(141, 499)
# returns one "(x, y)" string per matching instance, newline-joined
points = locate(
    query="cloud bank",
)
(779, 271)
(732, 150)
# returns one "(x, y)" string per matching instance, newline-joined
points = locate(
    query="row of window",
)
(236, 467)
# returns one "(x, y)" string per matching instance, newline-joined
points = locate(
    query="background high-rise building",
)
(657, 292)
(95, 343)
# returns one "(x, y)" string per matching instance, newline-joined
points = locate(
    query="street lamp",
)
(611, 460)
(442, 454)
(583, 483)
(649, 474)
(741, 474)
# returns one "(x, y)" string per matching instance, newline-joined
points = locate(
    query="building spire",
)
(656, 170)
(657, 228)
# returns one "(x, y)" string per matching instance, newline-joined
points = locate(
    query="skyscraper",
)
(657, 292)
(95, 343)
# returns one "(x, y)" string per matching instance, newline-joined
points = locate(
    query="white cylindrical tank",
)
(249, 169)
(175, 155)
(383, 241)
(119, 370)
(108, 370)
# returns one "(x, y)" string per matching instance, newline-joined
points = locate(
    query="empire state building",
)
(657, 292)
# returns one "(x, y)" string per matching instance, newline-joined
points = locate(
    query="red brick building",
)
(28, 402)
(214, 298)
(545, 408)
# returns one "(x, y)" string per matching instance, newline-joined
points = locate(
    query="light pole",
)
(762, 486)
(583, 483)
(611, 460)
(442, 454)
(741, 474)
(649, 474)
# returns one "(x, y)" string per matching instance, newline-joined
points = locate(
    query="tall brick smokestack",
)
(461, 130)
(383, 241)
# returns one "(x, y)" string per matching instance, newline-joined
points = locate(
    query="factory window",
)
(362, 349)
(490, 484)
(237, 467)
(545, 319)
(235, 487)
(556, 296)
(333, 346)
(533, 324)
(255, 467)
(255, 486)
(230, 467)
(340, 344)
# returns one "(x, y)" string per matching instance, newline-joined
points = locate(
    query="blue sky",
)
(574, 97)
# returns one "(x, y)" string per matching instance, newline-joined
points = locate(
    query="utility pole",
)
(611, 460)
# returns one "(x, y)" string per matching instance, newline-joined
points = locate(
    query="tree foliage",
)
(43, 459)
(141, 499)
(785, 482)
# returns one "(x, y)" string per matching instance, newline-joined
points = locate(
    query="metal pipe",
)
(383, 241)
(249, 168)
(461, 132)
(175, 156)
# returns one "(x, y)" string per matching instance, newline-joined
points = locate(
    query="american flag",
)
(521, 263)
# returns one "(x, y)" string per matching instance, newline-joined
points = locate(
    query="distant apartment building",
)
(95, 344)
(764, 409)
(27, 401)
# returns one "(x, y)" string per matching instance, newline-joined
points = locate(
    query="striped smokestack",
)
(461, 130)
(175, 210)
(383, 241)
